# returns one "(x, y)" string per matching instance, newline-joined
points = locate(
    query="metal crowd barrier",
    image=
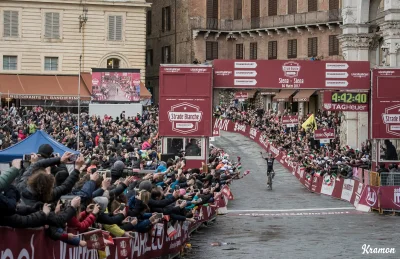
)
(390, 179)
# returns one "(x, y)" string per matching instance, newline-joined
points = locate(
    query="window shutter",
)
(312, 47)
(215, 50)
(312, 5)
(255, 8)
(168, 18)
(14, 23)
(56, 26)
(215, 9)
(333, 4)
(7, 23)
(333, 45)
(210, 11)
(162, 55)
(272, 50)
(208, 50)
(111, 27)
(148, 23)
(292, 6)
(253, 50)
(272, 7)
(239, 51)
(169, 58)
(238, 9)
(118, 27)
(163, 20)
(292, 48)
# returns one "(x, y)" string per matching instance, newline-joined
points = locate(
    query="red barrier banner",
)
(308, 181)
(347, 190)
(369, 196)
(337, 190)
(389, 197)
(316, 184)
(227, 192)
(357, 191)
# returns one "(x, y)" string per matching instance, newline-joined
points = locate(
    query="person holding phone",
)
(83, 220)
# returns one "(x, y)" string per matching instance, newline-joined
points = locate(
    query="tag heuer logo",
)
(185, 117)
(291, 69)
(328, 105)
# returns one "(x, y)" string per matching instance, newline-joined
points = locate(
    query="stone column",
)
(356, 43)
(391, 45)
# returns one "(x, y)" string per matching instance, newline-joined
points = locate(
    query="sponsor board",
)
(299, 74)
(324, 134)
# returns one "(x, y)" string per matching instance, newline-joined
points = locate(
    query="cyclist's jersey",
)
(270, 164)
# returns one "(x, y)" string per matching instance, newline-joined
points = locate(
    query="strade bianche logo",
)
(396, 197)
(240, 127)
(185, 117)
(253, 133)
(371, 197)
(291, 69)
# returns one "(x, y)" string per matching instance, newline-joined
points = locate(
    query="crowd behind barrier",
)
(104, 203)
(361, 188)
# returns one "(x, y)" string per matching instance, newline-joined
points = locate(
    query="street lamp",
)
(82, 21)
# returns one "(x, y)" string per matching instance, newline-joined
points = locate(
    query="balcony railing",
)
(290, 20)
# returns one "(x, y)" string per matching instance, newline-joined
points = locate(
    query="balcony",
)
(267, 22)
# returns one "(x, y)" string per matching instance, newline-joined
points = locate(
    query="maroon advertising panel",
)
(241, 95)
(290, 121)
(324, 134)
(346, 101)
(385, 103)
(185, 101)
(116, 85)
(299, 74)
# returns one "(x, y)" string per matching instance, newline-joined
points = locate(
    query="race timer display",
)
(361, 98)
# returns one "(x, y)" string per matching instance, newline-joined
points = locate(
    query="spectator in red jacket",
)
(83, 220)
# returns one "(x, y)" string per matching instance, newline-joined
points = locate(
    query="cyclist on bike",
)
(270, 164)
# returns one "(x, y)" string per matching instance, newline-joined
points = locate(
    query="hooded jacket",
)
(7, 177)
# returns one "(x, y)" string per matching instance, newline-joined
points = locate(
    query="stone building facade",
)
(187, 31)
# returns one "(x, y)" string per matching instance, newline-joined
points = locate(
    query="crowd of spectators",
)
(299, 143)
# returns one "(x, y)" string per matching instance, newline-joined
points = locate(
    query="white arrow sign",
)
(245, 64)
(337, 66)
(245, 73)
(245, 82)
(337, 75)
(336, 83)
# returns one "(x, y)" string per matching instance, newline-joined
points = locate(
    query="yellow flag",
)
(310, 123)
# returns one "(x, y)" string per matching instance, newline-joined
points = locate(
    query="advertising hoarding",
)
(185, 101)
(116, 85)
(290, 121)
(324, 134)
(299, 74)
(346, 101)
(385, 117)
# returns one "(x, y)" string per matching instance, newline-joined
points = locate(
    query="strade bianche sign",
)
(185, 117)
(288, 74)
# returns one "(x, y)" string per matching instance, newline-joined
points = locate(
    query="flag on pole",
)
(310, 123)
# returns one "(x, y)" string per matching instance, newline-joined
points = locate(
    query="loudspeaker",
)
(165, 157)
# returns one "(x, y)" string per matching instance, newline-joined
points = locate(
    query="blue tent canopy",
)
(31, 145)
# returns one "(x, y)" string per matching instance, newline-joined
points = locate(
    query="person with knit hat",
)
(117, 170)
(45, 151)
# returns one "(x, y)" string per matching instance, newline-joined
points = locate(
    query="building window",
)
(166, 19)
(253, 50)
(148, 23)
(272, 7)
(211, 50)
(149, 57)
(292, 49)
(115, 27)
(52, 26)
(239, 51)
(272, 50)
(312, 5)
(166, 55)
(312, 47)
(51, 63)
(212, 14)
(333, 4)
(10, 62)
(11, 24)
(113, 63)
(238, 9)
(292, 6)
(333, 45)
(255, 14)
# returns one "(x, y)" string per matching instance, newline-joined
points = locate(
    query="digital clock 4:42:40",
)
(349, 98)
